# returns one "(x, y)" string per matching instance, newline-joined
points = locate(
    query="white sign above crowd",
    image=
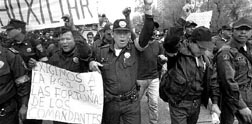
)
(201, 18)
(40, 14)
(61, 95)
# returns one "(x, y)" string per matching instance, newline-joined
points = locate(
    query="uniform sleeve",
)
(214, 85)
(84, 50)
(226, 74)
(172, 39)
(146, 33)
(19, 71)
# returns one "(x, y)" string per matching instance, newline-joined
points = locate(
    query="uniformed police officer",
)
(222, 38)
(27, 47)
(14, 86)
(118, 63)
(234, 65)
(73, 56)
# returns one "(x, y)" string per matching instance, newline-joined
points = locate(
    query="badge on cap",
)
(28, 50)
(1, 64)
(76, 60)
(122, 24)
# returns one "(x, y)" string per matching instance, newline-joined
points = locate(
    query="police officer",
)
(14, 87)
(222, 38)
(234, 63)
(26, 46)
(73, 56)
(118, 63)
(190, 73)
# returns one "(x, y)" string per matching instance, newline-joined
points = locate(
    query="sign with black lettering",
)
(60, 95)
(40, 14)
(201, 18)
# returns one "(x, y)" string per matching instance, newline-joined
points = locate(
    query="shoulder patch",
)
(13, 50)
(224, 47)
(233, 50)
(226, 57)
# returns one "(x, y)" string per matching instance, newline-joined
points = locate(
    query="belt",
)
(130, 95)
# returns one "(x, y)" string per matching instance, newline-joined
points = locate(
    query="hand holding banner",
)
(60, 95)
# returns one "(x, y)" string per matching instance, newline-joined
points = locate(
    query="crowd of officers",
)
(199, 67)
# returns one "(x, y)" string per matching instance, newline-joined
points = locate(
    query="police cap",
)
(14, 24)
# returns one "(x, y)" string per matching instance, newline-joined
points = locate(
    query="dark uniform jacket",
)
(30, 48)
(234, 73)
(13, 78)
(76, 61)
(190, 76)
(120, 72)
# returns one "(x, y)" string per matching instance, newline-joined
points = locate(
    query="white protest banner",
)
(202, 18)
(40, 14)
(60, 95)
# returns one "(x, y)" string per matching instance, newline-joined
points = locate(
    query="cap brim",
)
(241, 25)
(206, 44)
(7, 27)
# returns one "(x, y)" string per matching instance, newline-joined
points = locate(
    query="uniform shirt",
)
(29, 48)
(234, 72)
(119, 73)
(13, 78)
(69, 61)
(148, 61)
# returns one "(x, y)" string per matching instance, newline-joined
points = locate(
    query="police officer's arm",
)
(226, 73)
(94, 64)
(147, 31)
(126, 12)
(69, 22)
(22, 81)
(214, 86)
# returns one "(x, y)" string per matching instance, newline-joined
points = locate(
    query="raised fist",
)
(126, 12)
(148, 2)
(68, 20)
